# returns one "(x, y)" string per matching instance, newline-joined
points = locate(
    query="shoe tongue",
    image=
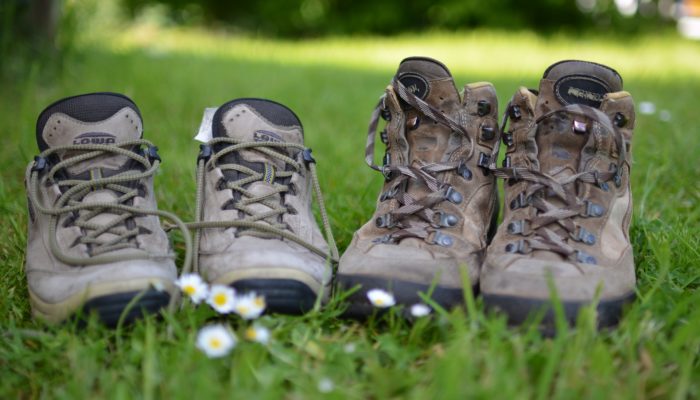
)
(427, 79)
(96, 118)
(430, 81)
(565, 83)
(577, 82)
(258, 120)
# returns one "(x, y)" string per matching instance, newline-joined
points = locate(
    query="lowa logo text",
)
(584, 94)
(95, 138)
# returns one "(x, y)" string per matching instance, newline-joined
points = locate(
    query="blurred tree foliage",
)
(298, 18)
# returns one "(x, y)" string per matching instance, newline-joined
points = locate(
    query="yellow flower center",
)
(379, 302)
(189, 290)
(243, 309)
(250, 334)
(215, 343)
(220, 299)
(259, 301)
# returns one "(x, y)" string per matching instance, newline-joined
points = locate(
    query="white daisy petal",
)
(222, 298)
(215, 340)
(381, 298)
(420, 310)
(325, 385)
(193, 287)
(249, 305)
(258, 334)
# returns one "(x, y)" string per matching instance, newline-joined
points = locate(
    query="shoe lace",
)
(416, 217)
(259, 224)
(43, 173)
(553, 225)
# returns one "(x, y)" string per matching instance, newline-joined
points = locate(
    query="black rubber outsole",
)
(109, 308)
(283, 296)
(518, 310)
(405, 293)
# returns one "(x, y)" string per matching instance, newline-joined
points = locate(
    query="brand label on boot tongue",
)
(262, 135)
(581, 89)
(415, 84)
(94, 138)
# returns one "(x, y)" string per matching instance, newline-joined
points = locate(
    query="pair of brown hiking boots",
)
(567, 194)
(95, 242)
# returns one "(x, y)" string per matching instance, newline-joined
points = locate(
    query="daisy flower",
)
(325, 385)
(420, 310)
(221, 298)
(215, 340)
(249, 305)
(258, 334)
(193, 286)
(381, 298)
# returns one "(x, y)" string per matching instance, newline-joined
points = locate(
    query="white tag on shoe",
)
(204, 135)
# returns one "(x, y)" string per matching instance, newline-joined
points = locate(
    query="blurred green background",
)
(35, 28)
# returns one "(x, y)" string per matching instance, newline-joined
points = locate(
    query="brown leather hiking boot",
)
(256, 230)
(568, 203)
(438, 200)
(95, 242)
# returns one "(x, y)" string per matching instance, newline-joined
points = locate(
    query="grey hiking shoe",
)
(255, 228)
(567, 196)
(95, 242)
(438, 201)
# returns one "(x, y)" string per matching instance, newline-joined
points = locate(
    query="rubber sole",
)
(405, 293)
(109, 308)
(519, 309)
(284, 296)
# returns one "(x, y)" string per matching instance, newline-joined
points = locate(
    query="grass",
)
(333, 84)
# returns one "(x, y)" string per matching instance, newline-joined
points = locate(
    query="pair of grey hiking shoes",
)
(95, 242)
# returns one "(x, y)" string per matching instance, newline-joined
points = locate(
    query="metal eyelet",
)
(484, 160)
(584, 236)
(152, 154)
(506, 162)
(620, 120)
(520, 201)
(617, 177)
(584, 258)
(442, 239)
(593, 209)
(205, 152)
(386, 114)
(580, 127)
(517, 227)
(464, 171)
(445, 220)
(40, 164)
(488, 132)
(384, 221)
(517, 247)
(515, 113)
(508, 139)
(453, 195)
(483, 107)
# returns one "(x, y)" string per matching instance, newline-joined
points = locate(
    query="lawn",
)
(333, 84)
